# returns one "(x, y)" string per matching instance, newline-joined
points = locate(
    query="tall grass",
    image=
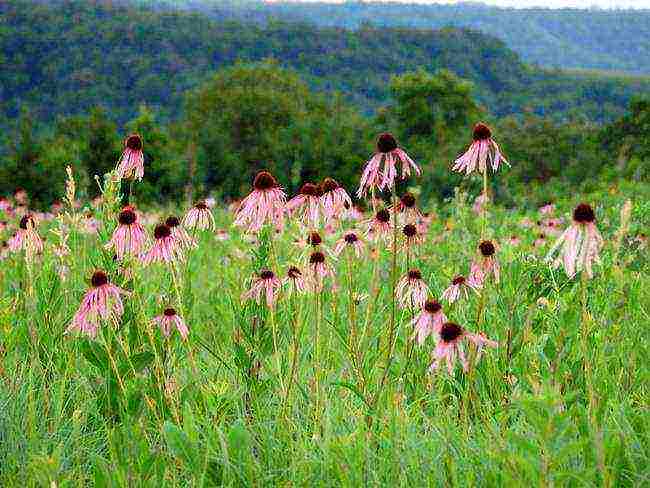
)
(562, 401)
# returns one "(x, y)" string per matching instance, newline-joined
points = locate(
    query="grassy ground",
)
(562, 401)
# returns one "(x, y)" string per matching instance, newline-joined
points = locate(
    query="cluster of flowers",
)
(577, 247)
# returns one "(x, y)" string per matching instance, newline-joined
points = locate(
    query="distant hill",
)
(65, 56)
(567, 38)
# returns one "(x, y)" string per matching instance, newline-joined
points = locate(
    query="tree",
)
(432, 105)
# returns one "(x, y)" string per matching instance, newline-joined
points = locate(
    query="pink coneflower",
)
(351, 241)
(131, 164)
(540, 241)
(170, 320)
(459, 287)
(354, 213)
(412, 236)
(180, 235)
(307, 203)
(314, 239)
(481, 152)
(581, 243)
(411, 290)
(552, 226)
(129, 236)
(319, 270)
(101, 301)
(21, 197)
(547, 209)
(266, 284)
(429, 321)
(450, 345)
(26, 237)
(265, 204)
(335, 199)
(379, 227)
(5, 205)
(407, 207)
(295, 280)
(390, 154)
(164, 248)
(199, 217)
(485, 265)
(514, 240)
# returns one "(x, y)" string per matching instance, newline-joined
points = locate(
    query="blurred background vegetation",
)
(218, 96)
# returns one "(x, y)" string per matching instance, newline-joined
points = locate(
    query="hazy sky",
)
(645, 4)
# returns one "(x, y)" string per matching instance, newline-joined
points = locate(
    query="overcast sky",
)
(644, 4)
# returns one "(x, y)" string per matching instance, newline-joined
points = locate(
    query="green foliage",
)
(569, 38)
(253, 117)
(67, 56)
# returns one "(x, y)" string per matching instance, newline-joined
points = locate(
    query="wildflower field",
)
(338, 337)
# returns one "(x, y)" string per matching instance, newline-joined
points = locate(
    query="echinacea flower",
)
(581, 243)
(540, 241)
(411, 290)
(514, 240)
(26, 237)
(450, 345)
(412, 236)
(129, 237)
(485, 266)
(102, 301)
(199, 217)
(295, 280)
(379, 227)
(21, 197)
(265, 284)
(482, 151)
(407, 208)
(349, 240)
(265, 204)
(164, 248)
(335, 199)
(429, 321)
(131, 164)
(459, 287)
(388, 152)
(170, 320)
(308, 204)
(180, 235)
(547, 209)
(319, 270)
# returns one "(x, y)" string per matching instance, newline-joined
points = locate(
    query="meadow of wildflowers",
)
(317, 340)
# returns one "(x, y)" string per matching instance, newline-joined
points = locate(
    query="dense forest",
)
(216, 100)
(66, 56)
(567, 38)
